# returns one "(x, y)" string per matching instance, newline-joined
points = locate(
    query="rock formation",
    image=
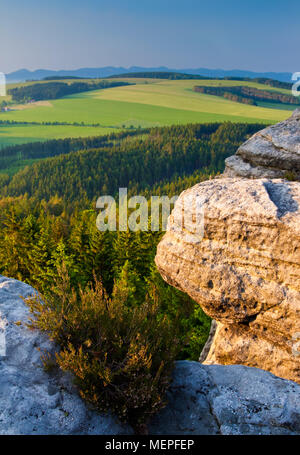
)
(203, 399)
(273, 152)
(243, 267)
(31, 400)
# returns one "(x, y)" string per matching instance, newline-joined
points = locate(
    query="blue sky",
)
(230, 34)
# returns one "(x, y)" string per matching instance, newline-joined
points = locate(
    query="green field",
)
(151, 102)
(21, 134)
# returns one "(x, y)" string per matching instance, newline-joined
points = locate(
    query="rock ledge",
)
(273, 152)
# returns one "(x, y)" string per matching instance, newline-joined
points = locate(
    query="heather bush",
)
(121, 356)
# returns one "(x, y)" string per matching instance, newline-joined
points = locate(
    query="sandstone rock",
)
(273, 152)
(230, 400)
(245, 271)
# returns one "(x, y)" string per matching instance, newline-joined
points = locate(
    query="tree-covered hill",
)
(137, 162)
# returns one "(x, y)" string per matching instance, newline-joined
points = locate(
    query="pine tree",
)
(129, 287)
(62, 258)
(39, 258)
(101, 255)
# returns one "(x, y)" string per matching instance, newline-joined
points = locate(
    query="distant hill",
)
(24, 74)
(58, 78)
(159, 75)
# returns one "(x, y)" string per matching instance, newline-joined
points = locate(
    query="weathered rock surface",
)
(245, 271)
(273, 152)
(203, 399)
(233, 399)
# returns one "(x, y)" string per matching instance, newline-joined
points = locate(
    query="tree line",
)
(262, 80)
(55, 90)
(159, 75)
(247, 95)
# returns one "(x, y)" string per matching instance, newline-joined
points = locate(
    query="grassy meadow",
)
(147, 103)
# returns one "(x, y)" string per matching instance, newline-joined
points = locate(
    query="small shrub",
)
(121, 357)
(291, 176)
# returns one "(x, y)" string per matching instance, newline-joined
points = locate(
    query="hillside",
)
(86, 168)
(147, 103)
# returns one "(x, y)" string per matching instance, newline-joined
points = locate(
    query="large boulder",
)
(272, 152)
(243, 268)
